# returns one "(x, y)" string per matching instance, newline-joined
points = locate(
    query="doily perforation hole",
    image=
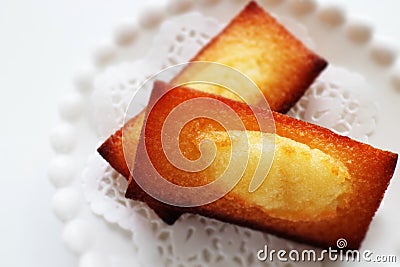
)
(164, 235)
(160, 250)
(238, 260)
(206, 255)
(190, 233)
(250, 259)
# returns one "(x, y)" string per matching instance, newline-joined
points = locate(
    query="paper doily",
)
(334, 101)
(181, 37)
(194, 240)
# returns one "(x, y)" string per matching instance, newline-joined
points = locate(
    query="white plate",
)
(344, 42)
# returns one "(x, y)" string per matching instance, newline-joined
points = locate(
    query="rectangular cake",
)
(258, 46)
(321, 186)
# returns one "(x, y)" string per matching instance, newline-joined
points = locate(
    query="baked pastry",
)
(261, 48)
(280, 65)
(330, 190)
(258, 46)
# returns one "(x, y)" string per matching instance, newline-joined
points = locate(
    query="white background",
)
(42, 44)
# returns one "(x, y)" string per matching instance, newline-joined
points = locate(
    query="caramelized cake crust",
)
(339, 202)
(257, 45)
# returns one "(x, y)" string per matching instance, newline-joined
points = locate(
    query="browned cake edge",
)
(252, 12)
(379, 173)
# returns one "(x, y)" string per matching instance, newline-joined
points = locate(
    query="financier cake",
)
(321, 186)
(257, 45)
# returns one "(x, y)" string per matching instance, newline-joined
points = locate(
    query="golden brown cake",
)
(257, 45)
(321, 186)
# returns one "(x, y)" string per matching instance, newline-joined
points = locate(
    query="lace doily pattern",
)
(182, 38)
(194, 240)
(198, 241)
(113, 92)
(105, 191)
(116, 86)
(338, 106)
